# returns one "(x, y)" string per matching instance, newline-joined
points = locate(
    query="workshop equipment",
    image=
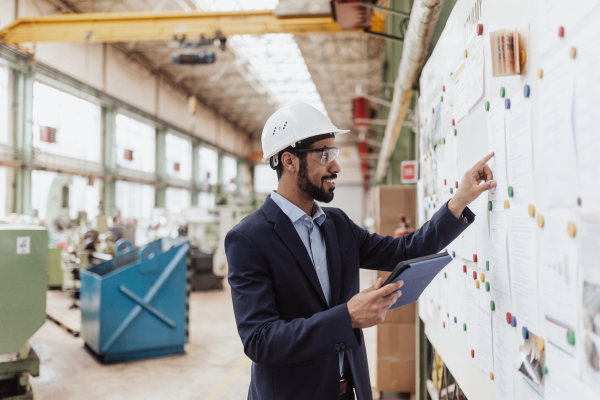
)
(23, 283)
(134, 306)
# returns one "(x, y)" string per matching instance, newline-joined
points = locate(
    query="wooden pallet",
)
(59, 311)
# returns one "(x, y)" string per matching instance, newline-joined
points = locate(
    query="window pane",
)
(206, 200)
(177, 199)
(229, 173)
(77, 124)
(265, 179)
(3, 104)
(209, 165)
(6, 190)
(179, 157)
(139, 138)
(134, 200)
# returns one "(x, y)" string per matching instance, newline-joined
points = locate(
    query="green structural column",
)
(196, 181)
(109, 147)
(23, 134)
(220, 170)
(240, 178)
(161, 168)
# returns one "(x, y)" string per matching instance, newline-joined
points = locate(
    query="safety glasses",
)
(326, 155)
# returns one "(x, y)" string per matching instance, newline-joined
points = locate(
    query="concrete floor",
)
(214, 366)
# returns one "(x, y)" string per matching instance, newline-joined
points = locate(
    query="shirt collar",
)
(294, 213)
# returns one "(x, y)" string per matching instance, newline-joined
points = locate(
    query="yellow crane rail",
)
(138, 26)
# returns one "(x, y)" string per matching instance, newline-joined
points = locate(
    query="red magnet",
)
(444, 324)
(475, 275)
(443, 88)
(465, 269)
(453, 123)
(444, 182)
(475, 257)
(472, 353)
(561, 31)
(456, 185)
(508, 318)
(479, 29)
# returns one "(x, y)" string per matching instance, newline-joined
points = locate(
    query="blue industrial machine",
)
(135, 305)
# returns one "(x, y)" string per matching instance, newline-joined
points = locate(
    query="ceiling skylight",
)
(277, 63)
(235, 5)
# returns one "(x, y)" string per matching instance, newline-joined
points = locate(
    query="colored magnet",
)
(454, 319)
(464, 327)
(466, 53)
(451, 190)
(455, 132)
(474, 275)
(513, 321)
(465, 269)
(540, 343)
(453, 122)
(482, 277)
(445, 276)
(443, 88)
(444, 182)
(507, 104)
(487, 106)
(477, 284)
(525, 332)
(487, 265)
(472, 353)
(491, 376)
(544, 370)
(520, 347)
(506, 204)
(540, 220)
(561, 31)
(438, 306)
(571, 338)
(444, 140)
(453, 254)
(490, 205)
(571, 229)
(540, 73)
(444, 324)
(475, 257)
(502, 92)
(479, 29)
(447, 315)
(531, 210)
(492, 305)
(434, 146)
(433, 110)
(511, 191)
(579, 201)
(573, 52)
(456, 184)
(523, 59)
(441, 98)
(508, 318)
(487, 286)
(526, 91)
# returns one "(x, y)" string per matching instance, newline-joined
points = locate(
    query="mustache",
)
(332, 176)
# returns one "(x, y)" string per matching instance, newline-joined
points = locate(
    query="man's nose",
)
(334, 168)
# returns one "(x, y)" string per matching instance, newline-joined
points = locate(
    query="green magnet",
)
(455, 132)
(487, 106)
(445, 276)
(487, 265)
(487, 286)
(434, 147)
(511, 191)
(444, 140)
(441, 98)
(490, 205)
(492, 305)
(502, 92)
(544, 370)
(571, 338)
(451, 190)
(464, 327)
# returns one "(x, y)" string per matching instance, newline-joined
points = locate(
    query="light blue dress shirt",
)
(310, 234)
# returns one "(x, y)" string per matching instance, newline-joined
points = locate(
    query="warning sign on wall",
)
(410, 171)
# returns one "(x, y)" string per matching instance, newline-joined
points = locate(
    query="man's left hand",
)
(475, 181)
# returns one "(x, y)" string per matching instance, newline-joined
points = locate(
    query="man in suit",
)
(294, 267)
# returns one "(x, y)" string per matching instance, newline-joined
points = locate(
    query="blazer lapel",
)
(286, 231)
(333, 260)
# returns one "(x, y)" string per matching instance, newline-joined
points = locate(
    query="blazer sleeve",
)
(268, 339)
(385, 252)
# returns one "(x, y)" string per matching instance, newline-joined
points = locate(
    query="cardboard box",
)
(391, 201)
(396, 352)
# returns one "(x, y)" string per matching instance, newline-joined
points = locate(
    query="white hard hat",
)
(293, 123)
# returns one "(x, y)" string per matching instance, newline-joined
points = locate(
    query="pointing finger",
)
(479, 165)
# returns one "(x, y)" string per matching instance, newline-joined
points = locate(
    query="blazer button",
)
(342, 346)
(337, 347)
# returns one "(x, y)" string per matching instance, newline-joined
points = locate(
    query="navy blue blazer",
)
(289, 332)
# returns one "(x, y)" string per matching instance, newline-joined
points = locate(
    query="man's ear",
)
(289, 162)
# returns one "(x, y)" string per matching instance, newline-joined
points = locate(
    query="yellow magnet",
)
(531, 210)
(491, 376)
(466, 53)
(438, 306)
(523, 57)
(521, 347)
(573, 52)
(540, 73)
(540, 220)
(540, 343)
(477, 284)
(506, 204)
(571, 229)
(482, 277)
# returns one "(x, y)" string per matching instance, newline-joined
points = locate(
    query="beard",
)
(318, 193)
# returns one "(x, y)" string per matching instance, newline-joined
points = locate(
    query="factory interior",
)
(132, 141)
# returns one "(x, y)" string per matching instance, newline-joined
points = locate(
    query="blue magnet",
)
(454, 319)
(453, 254)
(513, 322)
(433, 205)
(507, 104)
(526, 90)
(525, 333)
(446, 250)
